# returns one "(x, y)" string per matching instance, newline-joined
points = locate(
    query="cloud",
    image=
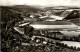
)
(41, 2)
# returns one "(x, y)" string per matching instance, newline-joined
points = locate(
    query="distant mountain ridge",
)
(61, 7)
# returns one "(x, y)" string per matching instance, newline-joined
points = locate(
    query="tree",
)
(64, 38)
(71, 47)
(66, 45)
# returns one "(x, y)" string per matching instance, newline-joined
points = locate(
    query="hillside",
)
(23, 8)
(18, 11)
(76, 21)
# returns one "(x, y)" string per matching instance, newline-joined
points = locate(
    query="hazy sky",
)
(41, 2)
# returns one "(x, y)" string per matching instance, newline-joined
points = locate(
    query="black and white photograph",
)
(40, 25)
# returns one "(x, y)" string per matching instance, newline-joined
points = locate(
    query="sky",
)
(40, 2)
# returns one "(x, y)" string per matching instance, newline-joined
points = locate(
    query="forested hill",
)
(15, 12)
